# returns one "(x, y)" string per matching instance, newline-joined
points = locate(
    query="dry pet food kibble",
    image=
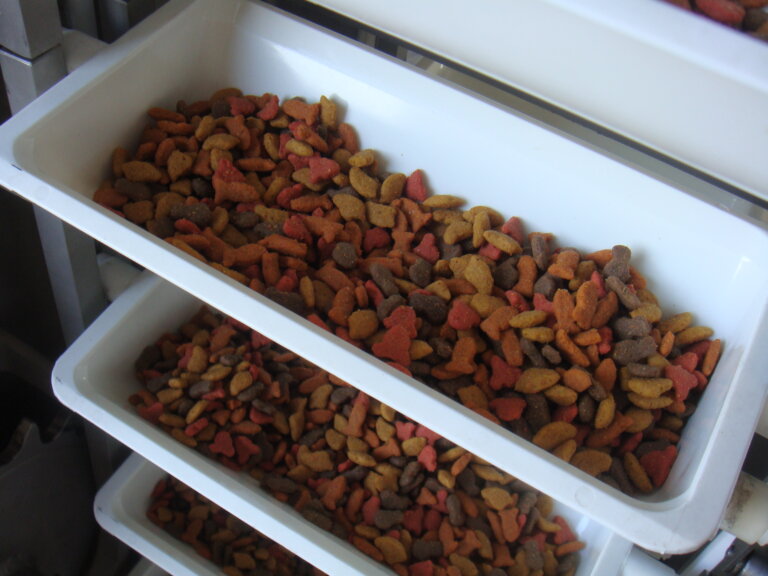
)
(392, 488)
(748, 16)
(219, 536)
(281, 197)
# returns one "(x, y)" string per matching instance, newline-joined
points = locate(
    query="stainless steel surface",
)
(29, 27)
(26, 79)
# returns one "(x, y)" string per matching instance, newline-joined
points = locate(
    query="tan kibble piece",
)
(363, 158)
(363, 324)
(528, 319)
(240, 382)
(651, 312)
(336, 440)
(561, 395)
(318, 461)
(299, 148)
(443, 201)
(392, 187)
(216, 372)
(457, 231)
(636, 473)
(642, 419)
(138, 171)
(480, 225)
(380, 214)
(533, 380)
(502, 241)
(179, 164)
(649, 387)
(412, 446)
(591, 461)
(553, 434)
(221, 141)
(497, 498)
(364, 184)
(676, 323)
(693, 334)
(392, 549)
(328, 113)
(566, 450)
(479, 274)
(361, 458)
(649, 403)
(606, 410)
(541, 334)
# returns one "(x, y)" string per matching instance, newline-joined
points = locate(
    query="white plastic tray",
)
(674, 81)
(698, 257)
(120, 508)
(95, 378)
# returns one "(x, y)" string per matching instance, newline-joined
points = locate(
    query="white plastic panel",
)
(671, 80)
(697, 256)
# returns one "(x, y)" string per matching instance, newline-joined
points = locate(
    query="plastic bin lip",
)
(33, 166)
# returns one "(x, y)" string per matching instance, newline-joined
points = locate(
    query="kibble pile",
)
(566, 348)
(353, 466)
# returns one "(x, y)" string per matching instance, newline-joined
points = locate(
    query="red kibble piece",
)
(245, 448)
(227, 172)
(287, 194)
(376, 238)
(239, 105)
(428, 458)
(298, 162)
(374, 293)
(404, 316)
(683, 380)
(630, 443)
(186, 226)
(517, 300)
(540, 302)
(508, 409)
(565, 534)
(565, 413)
(514, 227)
(258, 417)
(606, 340)
(322, 169)
(502, 374)
(723, 11)
(415, 189)
(423, 568)
(424, 432)
(215, 394)
(428, 249)
(597, 279)
(369, 509)
(288, 282)
(270, 109)
(404, 430)
(658, 463)
(222, 444)
(258, 340)
(413, 520)
(151, 412)
(395, 345)
(186, 355)
(490, 251)
(432, 520)
(462, 316)
(689, 361)
(294, 227)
